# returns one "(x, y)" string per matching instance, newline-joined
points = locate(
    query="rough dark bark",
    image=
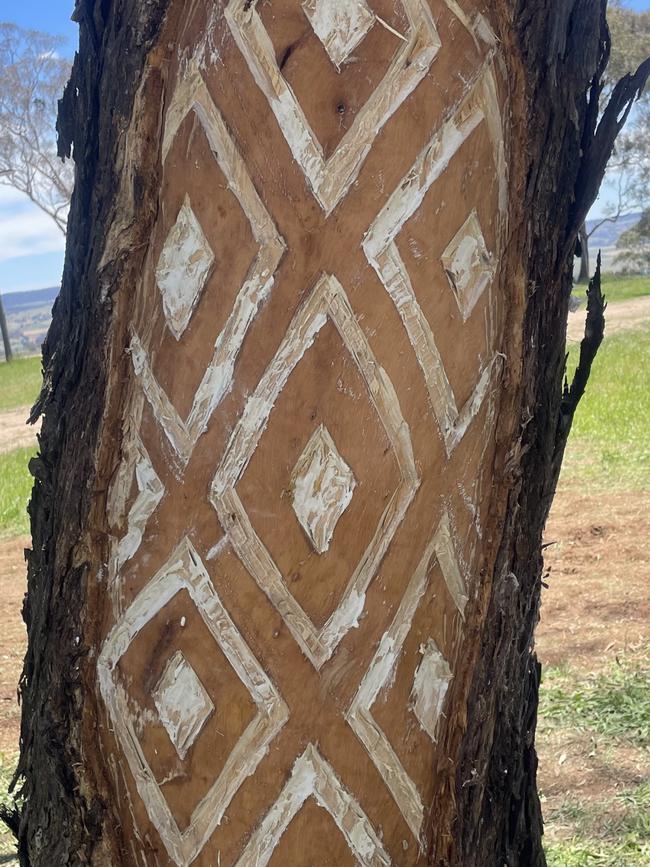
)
(565, 51)
(61, 824)
(556, 54)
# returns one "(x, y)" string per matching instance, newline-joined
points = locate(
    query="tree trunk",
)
(585, 272)
(302, 425)
(4, 330)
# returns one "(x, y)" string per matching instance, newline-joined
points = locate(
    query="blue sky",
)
(31, 247)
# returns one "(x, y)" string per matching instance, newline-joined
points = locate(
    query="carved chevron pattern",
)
(382, 670)
(288, 594)
(331, 178)
(313, 777)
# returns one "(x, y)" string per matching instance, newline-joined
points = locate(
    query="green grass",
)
(20, 382)
(611, 709)
(627, 852)
(15, 489)
(610, 439)
(619, 288)
(614, 703)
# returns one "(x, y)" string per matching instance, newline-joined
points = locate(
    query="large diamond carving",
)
(339, 24)
(468, 265)
(327, 300)
(330, 179)
(313, 777)
(480, 105)
(322, 488)
(182, 703)
(185, 571)
(192, 95)
(382, 667)
(183, 268)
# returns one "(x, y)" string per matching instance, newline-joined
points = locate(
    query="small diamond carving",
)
(339, 24)
(430, 687)
(468, 264)
(182, 703)
(183, 269)
(322, 485)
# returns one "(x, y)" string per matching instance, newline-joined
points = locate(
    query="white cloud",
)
(24, 229)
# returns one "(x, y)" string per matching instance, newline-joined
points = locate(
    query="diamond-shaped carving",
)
(327, 300)
(184, 571)
(430, 686)
(380, 246)
(339, 24)
(331, 178)
(468, 264)
(382, 668)
(322, 488)
(182, 703)
(183, 268)
(192, 95)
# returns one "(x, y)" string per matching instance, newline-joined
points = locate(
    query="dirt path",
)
(596, 604)
(620, 316)
(595, 612)
(14, 432)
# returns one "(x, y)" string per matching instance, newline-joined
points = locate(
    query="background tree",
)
(628, 172)
(635, 246)
(32, 78)
(134, 115)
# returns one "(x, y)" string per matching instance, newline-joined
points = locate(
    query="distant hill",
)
(28, 316)
(608, 234)
(22, 302)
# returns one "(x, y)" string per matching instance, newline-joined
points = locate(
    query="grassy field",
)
(617, 288)
(15, 488)
(20, 382)
(610, 712)
(610, 439)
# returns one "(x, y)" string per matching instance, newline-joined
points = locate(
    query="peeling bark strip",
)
(302, 425)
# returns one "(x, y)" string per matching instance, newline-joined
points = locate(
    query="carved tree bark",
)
(303, 420)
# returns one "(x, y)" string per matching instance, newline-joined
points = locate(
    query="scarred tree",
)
(303, 418)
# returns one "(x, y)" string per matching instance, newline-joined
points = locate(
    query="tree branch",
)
(598, 148)
(589, 346)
